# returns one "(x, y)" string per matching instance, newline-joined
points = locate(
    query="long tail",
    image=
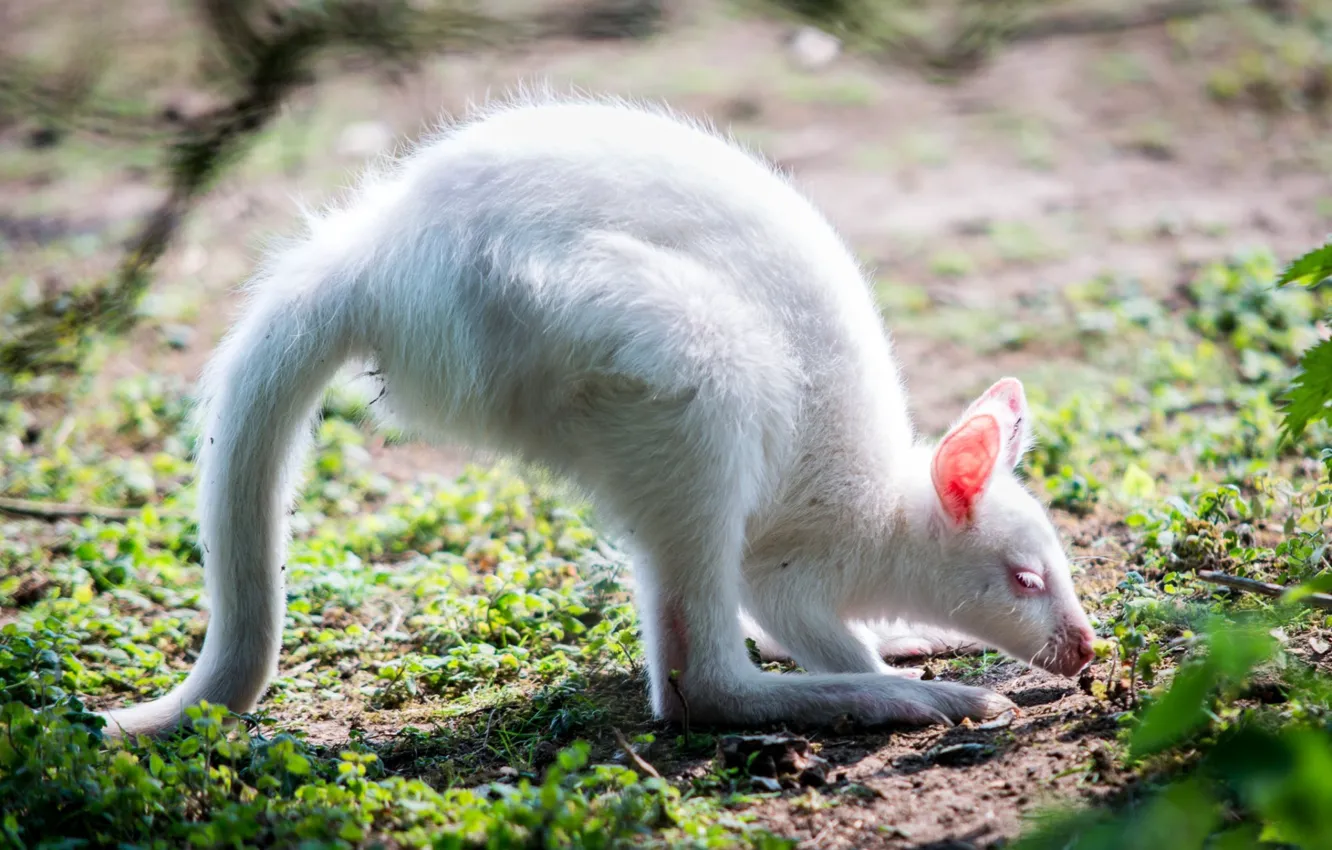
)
(259, 396)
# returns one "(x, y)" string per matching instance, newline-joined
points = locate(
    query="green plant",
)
(1309, 398)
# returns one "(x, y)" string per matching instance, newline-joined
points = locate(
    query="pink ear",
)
(963, 463)
(1007, 400)
(1009, 392)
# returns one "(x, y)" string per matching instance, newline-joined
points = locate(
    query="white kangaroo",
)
(633, 301)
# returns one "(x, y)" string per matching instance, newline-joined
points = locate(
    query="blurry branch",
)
(57, 510)
(1089, 22)
(1263, 588)
(266, 52)
(977, 27)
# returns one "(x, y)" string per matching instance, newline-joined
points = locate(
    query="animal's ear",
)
(1007, 403)
(963, 463)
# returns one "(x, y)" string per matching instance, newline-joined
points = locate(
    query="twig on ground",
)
(395, 620)
(1094, 22)
(1264, 588)
(56, 510)
(674, 680)
(640, 764)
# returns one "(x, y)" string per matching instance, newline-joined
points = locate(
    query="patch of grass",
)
(952, 263)
(1120, 68)
(1032, 138)
(926, 148)
(1017, 242)
(897, 298)
(1151, 139)
(876, 157)
(1273, 60)
(832, 89)
(483, 608)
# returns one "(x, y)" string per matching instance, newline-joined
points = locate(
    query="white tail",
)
(258, 399)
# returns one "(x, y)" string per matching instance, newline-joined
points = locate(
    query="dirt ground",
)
(1059, 160)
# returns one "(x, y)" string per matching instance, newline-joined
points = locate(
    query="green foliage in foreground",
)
(499, 618)
(1258, 782)
(1252, 775)
(472, 623)
(1310, 396)
(220, 788)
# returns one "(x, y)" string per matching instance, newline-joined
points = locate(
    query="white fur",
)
(631, 300)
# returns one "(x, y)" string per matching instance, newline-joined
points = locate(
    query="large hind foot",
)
(823, 700)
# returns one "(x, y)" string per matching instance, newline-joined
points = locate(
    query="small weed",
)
(831, 90)
(952, 263)
(1016, 242)
(927, 149)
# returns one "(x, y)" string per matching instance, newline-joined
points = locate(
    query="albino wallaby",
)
(636, 303)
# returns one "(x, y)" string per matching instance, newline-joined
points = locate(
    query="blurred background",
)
(981, 156)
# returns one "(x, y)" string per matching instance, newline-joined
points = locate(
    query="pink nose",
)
(1076, 652)
(1086, 653)
(1082, 652)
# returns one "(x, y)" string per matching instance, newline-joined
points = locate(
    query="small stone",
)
(1319, 646)
(1003, 721)
(812, 48)
(962, 754)
(29, 293)
(44, 137)
(544, 753)
(775, 757)
(193, 260)
(178, 337)
(364, 139)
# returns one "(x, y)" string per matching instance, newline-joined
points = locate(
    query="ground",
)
(1056, 214)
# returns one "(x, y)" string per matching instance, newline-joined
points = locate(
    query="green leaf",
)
(1309, 269)
(1179, 712)
(1137, 484)
(1309, 398)
(1234, 650)
(1182, 817)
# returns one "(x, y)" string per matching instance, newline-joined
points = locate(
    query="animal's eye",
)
(1027, 581)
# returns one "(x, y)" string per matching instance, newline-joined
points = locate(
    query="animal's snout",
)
(1077, 650)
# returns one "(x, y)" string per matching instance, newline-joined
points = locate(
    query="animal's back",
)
(547, 235)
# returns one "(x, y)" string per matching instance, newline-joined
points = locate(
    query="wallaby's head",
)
(1004, 577)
